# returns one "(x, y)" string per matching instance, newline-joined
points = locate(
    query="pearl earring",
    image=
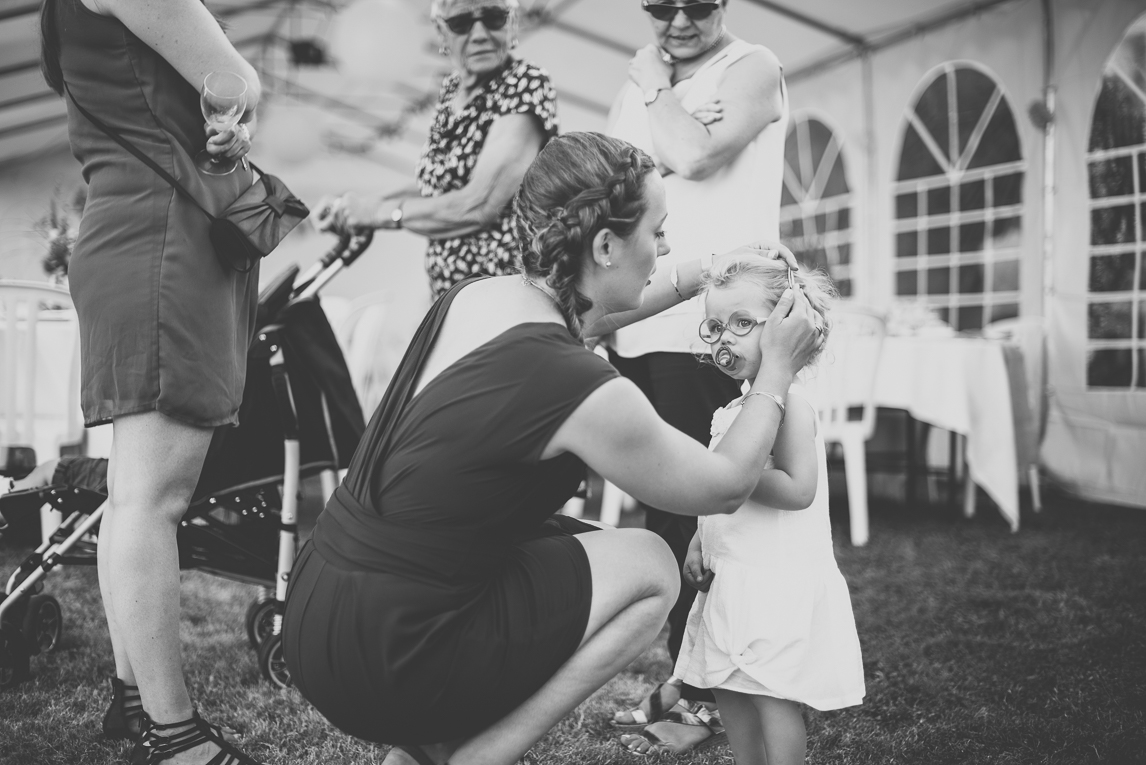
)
(608, 263)
(442, 51)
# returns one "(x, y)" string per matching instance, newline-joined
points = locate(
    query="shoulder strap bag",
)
(246, 231)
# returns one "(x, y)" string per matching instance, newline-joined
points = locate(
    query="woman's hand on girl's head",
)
(790, 337)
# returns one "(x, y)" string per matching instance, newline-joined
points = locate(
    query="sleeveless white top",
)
(777, 619)
(736, 205)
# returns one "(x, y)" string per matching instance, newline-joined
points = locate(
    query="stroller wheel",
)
(13, 657)
(260, 621)
(271, 661)
(43, 624)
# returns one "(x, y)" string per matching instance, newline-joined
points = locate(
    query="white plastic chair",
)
(843, 379)
(1028, 393)
(27, 311)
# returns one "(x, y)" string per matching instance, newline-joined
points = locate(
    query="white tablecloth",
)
(959, 384)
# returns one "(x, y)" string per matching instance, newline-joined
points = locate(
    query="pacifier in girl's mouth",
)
(723, 357)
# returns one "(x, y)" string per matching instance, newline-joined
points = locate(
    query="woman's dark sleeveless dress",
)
(437, 594)
(163, 326)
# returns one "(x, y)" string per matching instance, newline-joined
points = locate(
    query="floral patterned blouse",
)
(449, 157)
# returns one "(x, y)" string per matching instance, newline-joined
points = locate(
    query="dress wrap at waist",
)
(353, 539)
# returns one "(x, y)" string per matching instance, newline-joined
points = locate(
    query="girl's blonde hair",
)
(771, 276)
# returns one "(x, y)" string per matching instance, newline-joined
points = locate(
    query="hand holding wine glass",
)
(224, 102)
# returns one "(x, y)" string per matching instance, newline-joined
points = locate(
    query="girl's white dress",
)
(777, 619)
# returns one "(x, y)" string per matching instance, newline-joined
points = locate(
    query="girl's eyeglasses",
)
(668, 11)
(740, 323)
(490, 18)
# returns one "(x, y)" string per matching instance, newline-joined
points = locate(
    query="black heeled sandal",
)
(124, 717)
(154, 748)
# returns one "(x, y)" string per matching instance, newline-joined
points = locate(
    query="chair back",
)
(37, 410)
(1028, 380)
(844, 377)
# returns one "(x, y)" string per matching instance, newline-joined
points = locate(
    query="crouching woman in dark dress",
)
(438, 606)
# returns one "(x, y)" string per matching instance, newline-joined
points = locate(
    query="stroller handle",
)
(347, 250)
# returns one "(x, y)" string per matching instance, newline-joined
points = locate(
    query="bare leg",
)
(154, 468)
(741, 718)
(104, 553)
(785, 737)
(635, 583)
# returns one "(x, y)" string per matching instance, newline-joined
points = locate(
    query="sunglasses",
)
(740, 323)
(490, 18)
(668, 11)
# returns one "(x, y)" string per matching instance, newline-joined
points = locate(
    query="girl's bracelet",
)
(777, 399)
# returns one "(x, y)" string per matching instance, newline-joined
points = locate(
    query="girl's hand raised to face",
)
(790, 336)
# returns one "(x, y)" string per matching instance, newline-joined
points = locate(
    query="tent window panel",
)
(1112, 225)
(1008, 190)
(944, 315)
(1110, 321)
(907, 244)
(939, 241)
(906, 283)
(972, 236)
(916, 161)
(939, 200)
(822, 223)
(1112, 273)
(844, 219)
(1005, 233)
(1007, 311)
(837, 183)
(844, 287)
(1142, 172)
(933, 112)
(844, 254)
(1110, 368)
(973, 91)
(971, 278)
(1119, 116)
(970, 317)
(1005, 276)
(1000, 142)
(1142, 369)
(906, 205)
(939, 281)
(1112, 178)
(786, 197)
(973, 195)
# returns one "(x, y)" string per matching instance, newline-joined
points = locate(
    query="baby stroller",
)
(299, 417)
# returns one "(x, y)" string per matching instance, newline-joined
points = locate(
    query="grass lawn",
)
(979, 646)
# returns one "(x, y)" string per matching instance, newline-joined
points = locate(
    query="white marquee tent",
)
(986, 157)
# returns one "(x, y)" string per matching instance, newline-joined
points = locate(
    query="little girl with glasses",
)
(772, 629)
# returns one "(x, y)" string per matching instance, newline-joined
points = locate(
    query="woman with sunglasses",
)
(495, 113)
(712, 111)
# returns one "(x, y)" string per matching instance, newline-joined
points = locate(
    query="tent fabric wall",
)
(1095, 441)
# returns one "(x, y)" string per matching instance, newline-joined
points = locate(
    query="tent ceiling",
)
(583, 43)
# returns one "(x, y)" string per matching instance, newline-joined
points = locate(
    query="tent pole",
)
(872, 287)
(1048, 195)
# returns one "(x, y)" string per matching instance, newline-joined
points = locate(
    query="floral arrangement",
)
(58, 228)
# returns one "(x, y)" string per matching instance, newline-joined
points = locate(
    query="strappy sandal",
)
(692, 715)
(124, 717)
(656, 709)
(154, 748)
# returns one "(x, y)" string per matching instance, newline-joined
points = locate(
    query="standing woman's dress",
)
(436, 594)
(163, 326)
(448, 160)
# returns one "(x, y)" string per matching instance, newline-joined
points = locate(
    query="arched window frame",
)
(829, 218)
(1116, 305)
(960, 305)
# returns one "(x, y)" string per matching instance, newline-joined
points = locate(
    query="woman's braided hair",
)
(579, 184)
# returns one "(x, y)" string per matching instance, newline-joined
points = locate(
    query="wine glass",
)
(223, 102)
